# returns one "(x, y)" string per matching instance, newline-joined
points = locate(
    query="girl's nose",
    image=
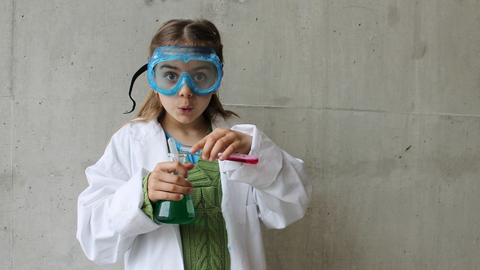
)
(185, 91)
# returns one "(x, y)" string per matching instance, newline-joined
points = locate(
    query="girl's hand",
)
(162, 185)
(223, 140)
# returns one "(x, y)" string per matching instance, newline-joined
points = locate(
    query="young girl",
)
(231, 199)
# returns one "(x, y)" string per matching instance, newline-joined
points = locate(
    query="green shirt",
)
(205, 240)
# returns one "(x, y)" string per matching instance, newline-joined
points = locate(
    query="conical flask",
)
(175, 212)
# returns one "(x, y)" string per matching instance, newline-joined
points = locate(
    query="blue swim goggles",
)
(170, 68)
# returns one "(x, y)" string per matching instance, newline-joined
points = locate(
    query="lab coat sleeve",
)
(281, 187)
(109, 210)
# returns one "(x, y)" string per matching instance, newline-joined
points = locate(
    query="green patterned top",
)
(204, 240)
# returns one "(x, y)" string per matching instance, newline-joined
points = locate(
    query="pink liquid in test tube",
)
(243, 158)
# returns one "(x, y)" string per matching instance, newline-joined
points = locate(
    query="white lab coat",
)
(111, 224)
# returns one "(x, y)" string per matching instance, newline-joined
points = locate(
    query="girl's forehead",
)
(181, 45)
(177, 52)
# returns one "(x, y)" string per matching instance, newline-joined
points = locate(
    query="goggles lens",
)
(202, 74)
(172, 67)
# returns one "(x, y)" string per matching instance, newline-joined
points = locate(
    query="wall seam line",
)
(12, 84)
(351, 110)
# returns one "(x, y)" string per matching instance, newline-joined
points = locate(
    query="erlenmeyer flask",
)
(175, 212)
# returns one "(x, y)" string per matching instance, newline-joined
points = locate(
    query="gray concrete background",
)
(381, 99)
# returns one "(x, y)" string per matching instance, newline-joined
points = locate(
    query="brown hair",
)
(199, 33)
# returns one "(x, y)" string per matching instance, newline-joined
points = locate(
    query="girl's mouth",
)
(185, 109)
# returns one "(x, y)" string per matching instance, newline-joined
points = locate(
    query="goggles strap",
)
(135, 76)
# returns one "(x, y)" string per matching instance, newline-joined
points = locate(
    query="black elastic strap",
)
(135, 76)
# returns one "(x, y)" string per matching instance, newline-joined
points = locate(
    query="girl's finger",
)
(227, 152)
(221, 145)
(170, 188)
(207, 147)
(165, 196)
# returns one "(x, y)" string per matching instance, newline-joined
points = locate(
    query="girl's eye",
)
(199, 77)
(171, 76)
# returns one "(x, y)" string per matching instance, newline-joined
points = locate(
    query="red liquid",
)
(243, 158)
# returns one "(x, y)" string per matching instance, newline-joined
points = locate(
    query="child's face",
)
(185, 107)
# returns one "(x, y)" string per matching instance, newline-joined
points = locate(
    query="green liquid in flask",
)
(174, 212)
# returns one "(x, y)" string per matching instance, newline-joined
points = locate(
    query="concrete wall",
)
(381, 99)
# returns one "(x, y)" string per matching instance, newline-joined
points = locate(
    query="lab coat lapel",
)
(152, 147)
